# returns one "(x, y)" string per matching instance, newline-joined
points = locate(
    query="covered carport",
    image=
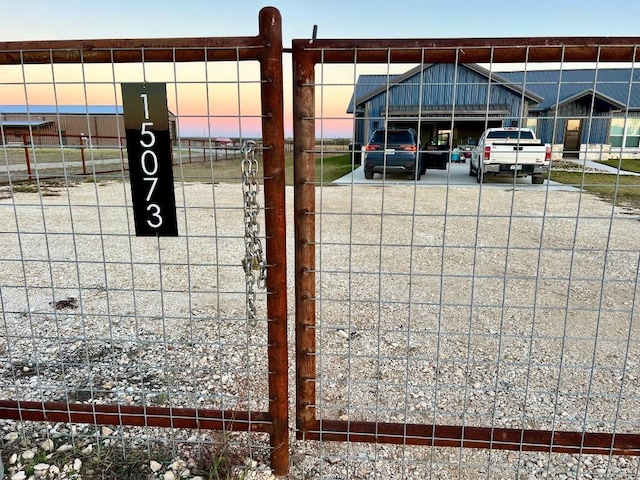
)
(15, 131)
(457, 122)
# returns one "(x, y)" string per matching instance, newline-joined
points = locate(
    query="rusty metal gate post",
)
(304, 203)
(273, 155)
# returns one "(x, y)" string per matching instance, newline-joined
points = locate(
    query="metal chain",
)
(254, 260)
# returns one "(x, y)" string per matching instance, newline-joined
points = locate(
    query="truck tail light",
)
(487, 153)
(409, 148)
(547, 153)
(372, 147)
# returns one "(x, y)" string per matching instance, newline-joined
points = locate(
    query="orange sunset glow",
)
(209, 99)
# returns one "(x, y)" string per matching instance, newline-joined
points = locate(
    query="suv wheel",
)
(368, 175)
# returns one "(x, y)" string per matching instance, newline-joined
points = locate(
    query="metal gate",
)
(433, 311)
(437, 311)
(106, 328)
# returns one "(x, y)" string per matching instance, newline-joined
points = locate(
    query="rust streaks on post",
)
(304, 221)
(275, 230)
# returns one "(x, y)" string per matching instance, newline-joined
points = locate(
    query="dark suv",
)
(393, 151)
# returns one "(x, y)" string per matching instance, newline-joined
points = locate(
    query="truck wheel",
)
(537, 179)
(481, 177)
(442, 166)
(368, 175)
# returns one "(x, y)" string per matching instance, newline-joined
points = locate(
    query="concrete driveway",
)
(456, 174)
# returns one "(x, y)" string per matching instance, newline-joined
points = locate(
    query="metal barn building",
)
(594, 111)
(70, 124)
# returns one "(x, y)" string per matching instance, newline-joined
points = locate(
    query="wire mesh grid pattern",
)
(147, 331)
(497, 318)
(435, 310)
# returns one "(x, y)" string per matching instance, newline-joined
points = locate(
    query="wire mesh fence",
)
(441, 305)
(455, 317)
(38, 155)
(109, 328)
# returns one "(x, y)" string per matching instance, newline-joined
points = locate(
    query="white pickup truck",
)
(510, 151)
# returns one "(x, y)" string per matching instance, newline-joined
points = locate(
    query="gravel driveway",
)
(512, 308)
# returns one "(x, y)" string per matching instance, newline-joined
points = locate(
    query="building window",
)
(622, 134)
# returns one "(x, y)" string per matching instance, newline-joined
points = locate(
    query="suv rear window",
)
(392, 137)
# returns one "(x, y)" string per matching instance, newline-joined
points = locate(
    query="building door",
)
(572, 136)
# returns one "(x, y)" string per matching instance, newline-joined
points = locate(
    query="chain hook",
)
(247, 147)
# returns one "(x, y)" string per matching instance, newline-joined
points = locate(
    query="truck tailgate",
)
(522, 153)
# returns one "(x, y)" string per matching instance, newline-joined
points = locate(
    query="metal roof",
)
(61, 109)
(618, 86)
(367, 84)
(23, 123)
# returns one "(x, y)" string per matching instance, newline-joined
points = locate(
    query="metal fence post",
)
(304, 206)
(25, 141)
(273, 157)
(84, 162)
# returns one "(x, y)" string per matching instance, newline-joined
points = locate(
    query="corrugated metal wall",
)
(437, 82)
(71, 128)
(595, 128)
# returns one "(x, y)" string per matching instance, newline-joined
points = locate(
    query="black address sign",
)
(146, 121)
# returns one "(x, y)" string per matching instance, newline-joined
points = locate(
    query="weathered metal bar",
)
(127, 51)
(476, 437)
(135, 415)
(480, 50)
(275, 226)
(304, 223)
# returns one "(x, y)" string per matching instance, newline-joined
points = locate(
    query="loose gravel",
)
(511, 308)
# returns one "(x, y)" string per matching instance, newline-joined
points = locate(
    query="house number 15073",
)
(149, 164)
(149, 151)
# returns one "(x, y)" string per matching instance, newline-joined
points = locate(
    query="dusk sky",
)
(82, 19)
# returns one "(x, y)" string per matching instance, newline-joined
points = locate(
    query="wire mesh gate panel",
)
(444, 307)
(102, 327)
